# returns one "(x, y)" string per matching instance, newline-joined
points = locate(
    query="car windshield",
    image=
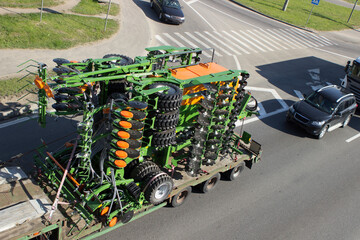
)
(320, 102)
(172, 4)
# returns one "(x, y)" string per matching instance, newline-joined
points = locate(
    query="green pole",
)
(352, 11)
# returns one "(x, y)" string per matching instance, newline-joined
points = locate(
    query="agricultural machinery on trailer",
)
(152, 128)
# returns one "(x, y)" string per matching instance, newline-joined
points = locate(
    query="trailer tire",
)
(210, 184)
(143, 169)
(158, 187)
(125, 60)
(181, 197)
(234, 173)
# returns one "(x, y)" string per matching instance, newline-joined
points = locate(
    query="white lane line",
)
(299, 94)
(256, 118)
(273, 92)
(272, 38)
(261, 109)
(305, 40)
(310, 37)
(242, 43)
(213, 43)
(222, 40)
(286, 35)
(190, 43)
(249, 41)
(285, 41)
(20, 120)
(229, 16)
(334, 53)
(261, 35)
(160, 39)
(262, 44)
(202, 43)
(353, 138)
(191, 2)
(237, 64)
(212, 27)
(174, 40)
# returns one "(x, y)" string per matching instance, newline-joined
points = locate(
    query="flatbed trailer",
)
(150, 133)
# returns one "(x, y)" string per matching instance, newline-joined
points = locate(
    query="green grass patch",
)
(29, 3)
(325, 16)
(93, 7)
(56, 31)
(17, 86)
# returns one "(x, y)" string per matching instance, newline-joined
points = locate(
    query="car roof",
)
(333, 93)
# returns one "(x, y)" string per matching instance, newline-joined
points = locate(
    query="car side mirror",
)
(347, 67)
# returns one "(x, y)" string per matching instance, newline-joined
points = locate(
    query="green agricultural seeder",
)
(151, 129)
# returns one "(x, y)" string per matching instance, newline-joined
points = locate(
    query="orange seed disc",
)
(125, 124)
(104, 211)
(122, 144)
(113, 222)
(121, 154)
(123, 134)
(120, 163)
(126, 114)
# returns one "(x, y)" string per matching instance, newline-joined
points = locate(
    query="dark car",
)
(323, 110)
(168, 10)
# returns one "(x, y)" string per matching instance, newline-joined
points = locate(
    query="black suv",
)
(323, 110)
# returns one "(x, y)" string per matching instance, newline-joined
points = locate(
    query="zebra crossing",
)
(243, 42)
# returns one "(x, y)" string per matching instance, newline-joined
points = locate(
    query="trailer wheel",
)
(210, 184)
(234, 173)
(181, 197)
(158, 187)
(125, 60)
(143, 169)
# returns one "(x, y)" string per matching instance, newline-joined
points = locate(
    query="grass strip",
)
(56, 31)
(17, 86)
(325, 17)
(29, 3)
(93, 7)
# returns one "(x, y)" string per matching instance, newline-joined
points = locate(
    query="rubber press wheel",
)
(210, 184)
(125, 60)
(181, 197)
(158, 187)
(234, 173)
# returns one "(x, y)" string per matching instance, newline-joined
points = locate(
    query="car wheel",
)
(322, 132)
(151, 3)
(346, 121)
(160, 16)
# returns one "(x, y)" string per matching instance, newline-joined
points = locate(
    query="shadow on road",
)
(149, 12)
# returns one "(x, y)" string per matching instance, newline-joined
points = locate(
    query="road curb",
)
(253, 10)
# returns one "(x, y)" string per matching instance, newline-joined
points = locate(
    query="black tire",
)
(167, 120)
(346, 121)
(127, 216)
(234, 173)
(158, 187)
(169, 100)
(125, 60)
(164, 138)
(252, 104)
(210, 184)
(143, 169)
(323, 131)
(181, 197)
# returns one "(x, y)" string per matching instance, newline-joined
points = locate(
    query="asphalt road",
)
(303, 188)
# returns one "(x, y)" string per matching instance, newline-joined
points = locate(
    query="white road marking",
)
(229, 42)
(288, 36)
(207, 5)
(332, 128)
(334, 53)
(212, 27)
(303, 39)
(262, 44)
(249, 41)
(190, 43)
(270, 37)
(191, 2)
(273, 92)
(20, 120)
(323, 40)
(299, 94)
(160, 39)
(353, 138)
(174, 40)
(237, 62)
(263, 37)
(213, 43)
(290, 44)
(242, 43)
(202, 43)
(261, 109)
